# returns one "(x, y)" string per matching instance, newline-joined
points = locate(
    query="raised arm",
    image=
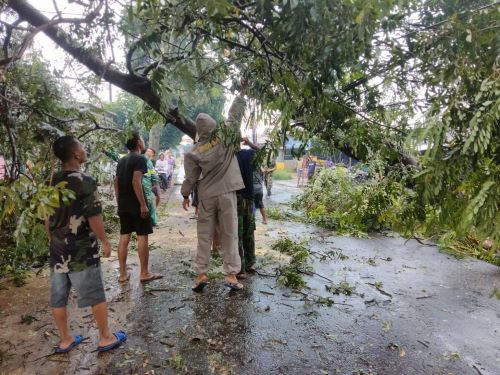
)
(236, 112)
(249, 143)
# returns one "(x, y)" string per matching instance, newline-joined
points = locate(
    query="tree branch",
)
(14, 168)
(97, 127)
(229, 42)
(138, 86)
(8, 36)
(366, 118)
(27, 41)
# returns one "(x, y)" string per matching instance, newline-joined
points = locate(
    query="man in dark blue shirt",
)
(311, 169)
(246, 216)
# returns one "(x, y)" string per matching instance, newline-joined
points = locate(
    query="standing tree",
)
(360, 75)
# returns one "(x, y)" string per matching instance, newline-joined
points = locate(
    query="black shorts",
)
(131, 222)
(258, 200)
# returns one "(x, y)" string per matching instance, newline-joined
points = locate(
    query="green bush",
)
(24, 204)
(32, 251)
(334, 200)
(282, 174)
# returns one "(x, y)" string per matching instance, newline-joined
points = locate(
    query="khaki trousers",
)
(220, 209)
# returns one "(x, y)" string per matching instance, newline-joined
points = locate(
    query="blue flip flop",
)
(121, 337)
(78, 340)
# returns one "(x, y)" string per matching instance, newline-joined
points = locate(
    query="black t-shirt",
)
(245, 158)
(127, 200)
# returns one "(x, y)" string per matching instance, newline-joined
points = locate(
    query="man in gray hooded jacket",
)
(215, 167)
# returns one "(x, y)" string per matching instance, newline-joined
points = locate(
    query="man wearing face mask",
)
(213, 165)
(132, 207)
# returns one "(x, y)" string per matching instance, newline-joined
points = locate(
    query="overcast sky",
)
(57, 57)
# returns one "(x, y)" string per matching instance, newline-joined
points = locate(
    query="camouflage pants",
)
(268, 181)
(246, 228)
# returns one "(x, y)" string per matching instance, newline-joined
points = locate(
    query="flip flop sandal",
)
(121, 337)
(198, 287)
(233, 286)
(78, 340)
(155, 277)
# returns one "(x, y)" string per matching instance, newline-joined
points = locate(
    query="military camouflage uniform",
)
(268, 177)
(148, 181)
(246, 228)
(73, 245)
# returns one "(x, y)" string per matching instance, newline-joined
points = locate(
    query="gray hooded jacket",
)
(210, 162)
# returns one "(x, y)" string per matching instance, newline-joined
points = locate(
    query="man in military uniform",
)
(245, 203)
(268, 171)
(73, 230)
(212, 165)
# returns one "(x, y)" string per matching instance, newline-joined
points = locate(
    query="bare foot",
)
(231, 278)
(108, 340)
(124, 278)
(200, 283)
(201, 277)
(149, 277)
(264, 222)
(66, 342)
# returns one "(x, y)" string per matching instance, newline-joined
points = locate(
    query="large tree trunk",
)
(154, 137)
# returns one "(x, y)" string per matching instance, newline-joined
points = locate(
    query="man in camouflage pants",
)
(246, 216)
(268, 171)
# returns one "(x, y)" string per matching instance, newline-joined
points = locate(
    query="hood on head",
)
(205, 125)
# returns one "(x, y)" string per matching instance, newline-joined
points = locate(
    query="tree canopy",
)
(374, 79)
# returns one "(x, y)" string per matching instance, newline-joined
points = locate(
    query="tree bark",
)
(154, 137)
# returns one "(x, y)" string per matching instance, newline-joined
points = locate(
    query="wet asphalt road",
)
(412, 310)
